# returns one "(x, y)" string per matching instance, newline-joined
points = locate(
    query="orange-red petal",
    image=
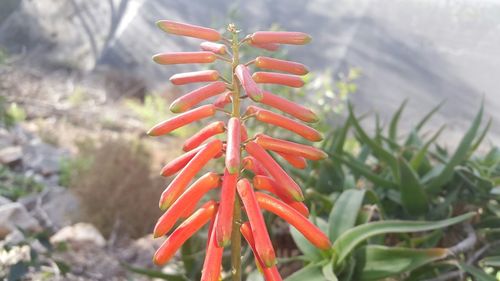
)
(194, 77)
(184, 57)
(296, 110)
(202, 135)
(189, 30)
(281, 65)
(194, 97)
(247, 82)
(183, 119)
(233, 145)
(278, 78)
(280, 37)
(223, 227)
(292, 148)
(217, 48)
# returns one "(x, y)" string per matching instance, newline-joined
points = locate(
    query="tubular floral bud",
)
(270, 117)
(178, 163)
(278, 78)
(183, 119)
(293, 217)
(223, 100)
(270, 273)
(233, 145)
(224, 224)
(291, 187)
(210, 130)
(214, 47)
(192, 98)
(296, 161)
(213, 259)
(194, 77)
(179, 183)
(244, 133)
(266, 46)
(184, 232)
(296, 110)
(189, 30)
(189, 198)
(280, 37)
(184, 57)
(251, 164)
(268, 184)
(263, 245)
(292, 148)
(281, 65)
(247, 82)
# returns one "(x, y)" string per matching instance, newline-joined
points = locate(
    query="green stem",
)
(235, 233)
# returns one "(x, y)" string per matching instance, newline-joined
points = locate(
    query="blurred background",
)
(78, 89)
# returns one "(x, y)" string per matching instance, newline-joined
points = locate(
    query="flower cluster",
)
(271, 188)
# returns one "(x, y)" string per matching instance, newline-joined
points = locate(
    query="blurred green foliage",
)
(14, 186)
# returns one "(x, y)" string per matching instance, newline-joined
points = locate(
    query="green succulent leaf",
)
(393, 126)
(413, 195)
(344, 245)
(312, 272)
(478, 274)
(309, 250)
(491, 261)
(345, 212)
(375, 262)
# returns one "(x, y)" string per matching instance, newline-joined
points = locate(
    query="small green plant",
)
(14, 186)
(10, 114)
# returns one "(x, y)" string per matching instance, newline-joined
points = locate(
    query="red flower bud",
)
(296, 110)
(263, 245)
(233, 145)
(179, 183)
(270, 273)
(178, 163)
(213, 259)
(184, 232)
(184, 57)
(192, 98)
(292, 148)
(291, 187)
(266, 46)
(189, 30)
(251, 164)
(248, 84)
(223, 100)
(293, 217)
(281, 65)
(194, 77)
(268, 184)
(244, 133)
(183, 119)
(211, 130)
(278, 78)
(223, 227)
(214, 47)
(270, 117)
(294, 160)
(189, 198)
(280, 37)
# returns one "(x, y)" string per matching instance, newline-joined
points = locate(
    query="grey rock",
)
(60, 206)
(10, 155)
(13, 216)
(80, 232)
(4, 201)
(43, 158)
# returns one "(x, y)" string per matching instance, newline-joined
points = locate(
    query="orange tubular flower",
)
(192, 98)
(266, 46)
(213, 259)
(233, 145)
(296, 110)
(189, 198)
(189, 30)
(214, 48)
(268, 184)
(247, 82)
(292, 148)
(294, 160)
(280, 37)
(185, 57)
(270, 273)
(270, 117)
(178, 121)
(290, 186)
(223, 100)
(263, 245)
(177, 186)
(224, 224)
(251, 164)
(281, 65)
(278, 78)
(211, 130)
(184, 232)
(293, 217)
(178, 163)
(244, 133)
(194, 77)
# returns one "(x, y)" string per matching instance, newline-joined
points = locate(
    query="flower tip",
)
(307, 39)
(151, 133)
(233, 169)
(157, 58)
(175, 108)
